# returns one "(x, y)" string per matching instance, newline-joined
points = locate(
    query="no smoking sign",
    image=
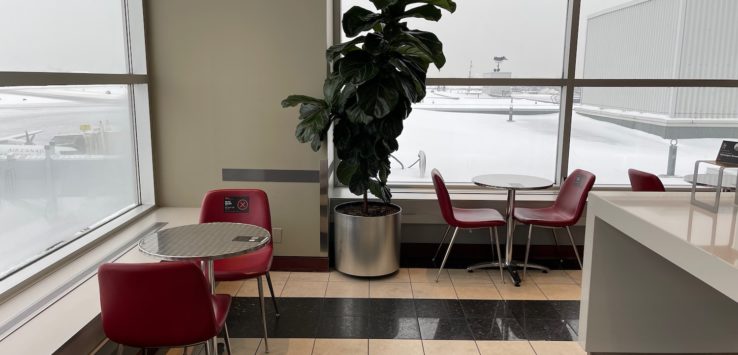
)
(236, 204)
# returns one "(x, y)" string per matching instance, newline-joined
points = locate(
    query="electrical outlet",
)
(277, 235)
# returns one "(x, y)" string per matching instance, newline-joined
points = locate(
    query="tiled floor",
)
(418, 283)
(409, 313)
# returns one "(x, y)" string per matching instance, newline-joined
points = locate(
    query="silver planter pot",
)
(367, 246)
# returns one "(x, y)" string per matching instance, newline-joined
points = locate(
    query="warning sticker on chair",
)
(236, 204)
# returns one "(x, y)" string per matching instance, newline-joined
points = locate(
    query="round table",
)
(205, 242)
(511, 183)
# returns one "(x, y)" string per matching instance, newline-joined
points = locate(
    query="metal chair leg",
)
(445, 234)
(207, 350)
(227, 339)
(576, 252)
(274, 297)
(263, 313)
(499, 255)
(448, 251)
(119, 349)
(527, 251)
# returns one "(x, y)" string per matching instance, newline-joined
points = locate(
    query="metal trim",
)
(46, 79)
(583, 82)
(26, 315)
(271, 175)
(324, 205)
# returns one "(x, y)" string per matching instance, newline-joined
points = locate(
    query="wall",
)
(218, 71)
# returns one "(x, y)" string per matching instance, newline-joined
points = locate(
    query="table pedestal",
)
(509, 265)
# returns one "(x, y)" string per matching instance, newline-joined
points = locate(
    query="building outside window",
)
(652, 85)
(73, 105)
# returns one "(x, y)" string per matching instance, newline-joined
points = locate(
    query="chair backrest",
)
(573, 194)
(444, 199)
(250, 206)
(643, 181)
(156, 304)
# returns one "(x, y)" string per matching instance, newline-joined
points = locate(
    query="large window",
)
(543, 88)
(73, 105)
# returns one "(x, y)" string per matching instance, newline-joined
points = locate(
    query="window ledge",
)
(63, 316)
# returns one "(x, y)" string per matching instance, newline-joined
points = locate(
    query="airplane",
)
(22, 145)
(23, 138)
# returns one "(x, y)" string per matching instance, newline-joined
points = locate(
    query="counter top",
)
(698, 241)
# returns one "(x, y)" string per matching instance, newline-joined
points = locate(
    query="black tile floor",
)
(364, 318)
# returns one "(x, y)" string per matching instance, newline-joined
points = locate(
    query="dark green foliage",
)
(376, 77)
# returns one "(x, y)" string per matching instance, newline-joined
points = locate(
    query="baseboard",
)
(300, 263)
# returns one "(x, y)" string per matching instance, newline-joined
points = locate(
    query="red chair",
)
(255, 210)
(564, 213)
(465, 218)
(643, 181)
(155, 305)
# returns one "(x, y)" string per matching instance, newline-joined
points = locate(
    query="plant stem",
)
(366, 204)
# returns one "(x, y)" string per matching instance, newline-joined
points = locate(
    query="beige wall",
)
(218, 70)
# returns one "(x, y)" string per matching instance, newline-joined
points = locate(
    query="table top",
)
(512, 181)
(711, 180)
(701, 242)
(204, 241)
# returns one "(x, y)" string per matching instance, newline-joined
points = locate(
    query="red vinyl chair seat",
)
(477, 218)
(246, 266)
(221, 304)
(643, 181)
(546, 217)
(153, 305)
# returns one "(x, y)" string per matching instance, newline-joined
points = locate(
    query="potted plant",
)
(375, 78)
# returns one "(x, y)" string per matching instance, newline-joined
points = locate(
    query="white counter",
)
(660, 275)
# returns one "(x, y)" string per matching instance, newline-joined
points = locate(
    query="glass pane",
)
(529, 33)
(659, 130)
(468, 131)
(658, 39)
(81, 36)
(66, 163)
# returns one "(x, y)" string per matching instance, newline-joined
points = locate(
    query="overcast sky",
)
(87, 35)
(530, 33)
(62, 35)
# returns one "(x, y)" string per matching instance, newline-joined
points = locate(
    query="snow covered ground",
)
(462, 145)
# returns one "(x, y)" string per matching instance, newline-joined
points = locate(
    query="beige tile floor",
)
(417, 283)
(395, 347)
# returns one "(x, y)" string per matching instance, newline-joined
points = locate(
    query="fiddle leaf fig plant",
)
(374, 79)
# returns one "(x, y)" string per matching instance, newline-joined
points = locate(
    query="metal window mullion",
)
(567, 94)
(45, 79)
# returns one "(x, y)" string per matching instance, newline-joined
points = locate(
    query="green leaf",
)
(357, 115)
(428, 12)
(357, 67)
(410, 79)
(359, 183)
(314, 120)
(377, 97)
(383, 4)
(346, 170)
(294, 100)
(375, 44)
(336, 50)
(358, 19)
(434, 45)
(412, 50)
(448, 5)
(332, 88)
(380, 190)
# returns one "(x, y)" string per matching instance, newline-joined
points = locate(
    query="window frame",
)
(568, 82)
(139, 118)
